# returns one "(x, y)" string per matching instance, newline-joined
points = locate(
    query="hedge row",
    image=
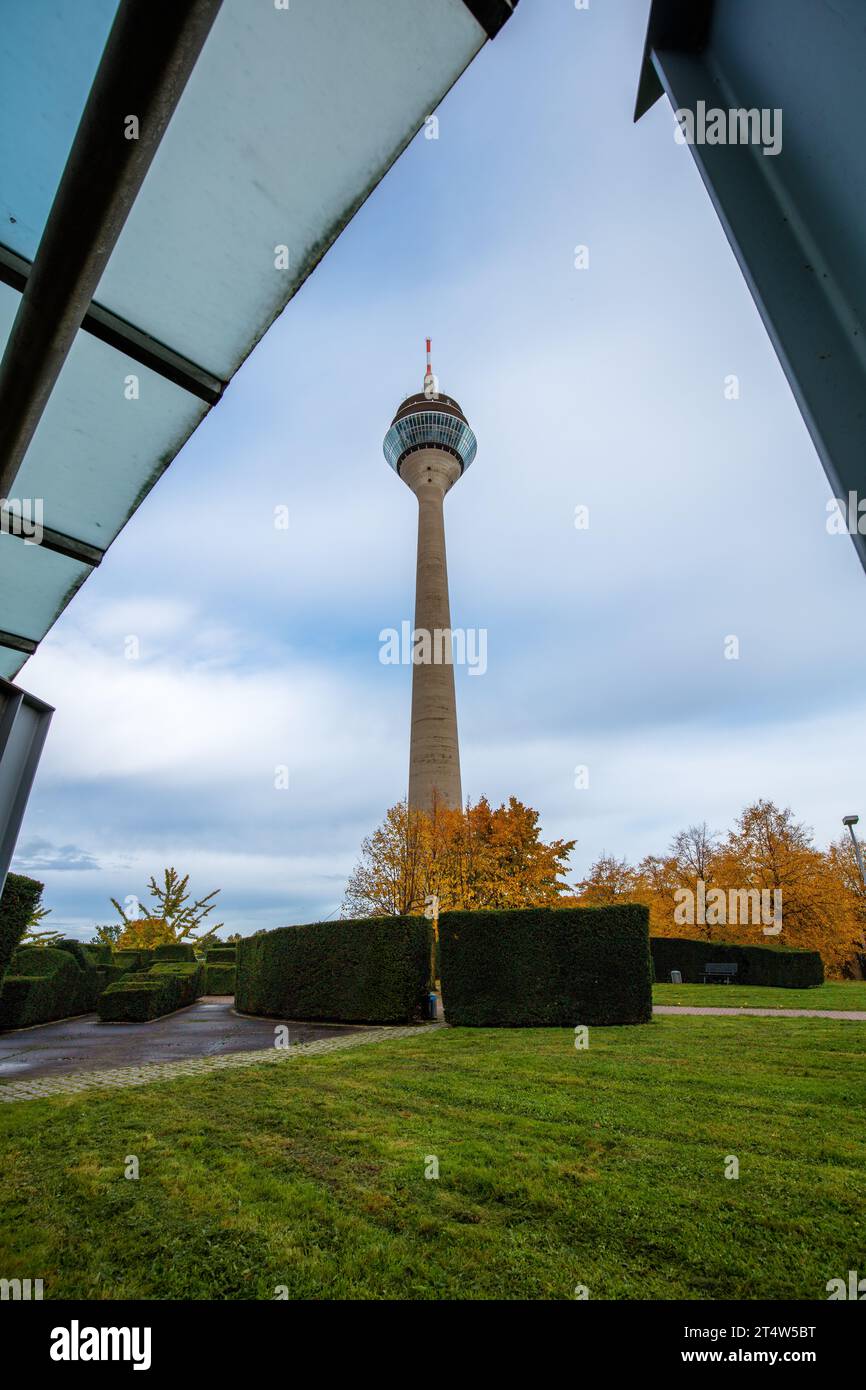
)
(219, 977)
(146, 994)
(782, 966)
(132, 958)
(519, 968)
(178, 950)
(100, 955)
(19, 901)
(46, 983)
(367, 970)
(69, 978)
(546, 967)
(110, 974)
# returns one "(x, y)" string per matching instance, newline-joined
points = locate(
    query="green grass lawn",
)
(838, 994)
(556, 1168)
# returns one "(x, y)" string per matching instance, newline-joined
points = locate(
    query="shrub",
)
(144, 995)
(365, 970)
(76, 949)
(100, 954)
(139, 998)
(219, 977)
(19, 901)
(45, 983)
(220, 953)
(178, 950)
(132, 958)
(189, 975)
(546, 967)
(109, 974)
(782, 966)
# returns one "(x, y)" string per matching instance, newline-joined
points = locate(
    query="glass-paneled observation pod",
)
(424, 422)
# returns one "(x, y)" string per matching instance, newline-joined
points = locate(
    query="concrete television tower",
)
(429, 445)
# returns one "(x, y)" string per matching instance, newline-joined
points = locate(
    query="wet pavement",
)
(208, 1028)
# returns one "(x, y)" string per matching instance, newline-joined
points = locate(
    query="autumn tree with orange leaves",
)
(822, 896)
(480, 857)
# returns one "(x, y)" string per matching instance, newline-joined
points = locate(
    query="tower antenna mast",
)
(429, 378)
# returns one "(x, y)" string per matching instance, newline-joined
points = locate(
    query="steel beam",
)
(24, 722)
(491, 14)
(50, 539)
(150, 53)
(18, 644)
(132, 341)
(794, 218)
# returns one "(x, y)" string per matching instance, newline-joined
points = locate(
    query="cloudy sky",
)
(601, 388)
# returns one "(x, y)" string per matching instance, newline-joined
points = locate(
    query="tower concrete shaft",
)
(434, 752)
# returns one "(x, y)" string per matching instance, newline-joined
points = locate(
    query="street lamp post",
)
(851, 821)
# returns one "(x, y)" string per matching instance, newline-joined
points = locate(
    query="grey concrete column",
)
(434, 754)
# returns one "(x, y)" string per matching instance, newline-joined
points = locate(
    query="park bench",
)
(719, 974)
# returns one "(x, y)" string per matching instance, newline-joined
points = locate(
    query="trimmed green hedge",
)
(19, 901)
(45, 983)
(78, 950)
(365, 970)
(144, 995)
(98, 953)
(782, 966)
(179, 950)
(132, 958)
(139, 999)
(189, 975)
(109, 974)
(219, 977)
(220, 953)
(546, 967)
(219, 971)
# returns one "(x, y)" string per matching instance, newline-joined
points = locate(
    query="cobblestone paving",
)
(119, 1077)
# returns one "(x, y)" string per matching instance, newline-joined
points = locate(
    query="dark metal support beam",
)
(149, 55)
(24, 722)
(793, 218)
(681, 24)
(132, 341)
(117, 333)
(50, 539)
(18, 644)
(491, 14)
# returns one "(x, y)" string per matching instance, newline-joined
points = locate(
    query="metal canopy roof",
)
(263, 128)
(794, 219)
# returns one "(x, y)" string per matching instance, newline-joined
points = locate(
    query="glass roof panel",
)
(10, 662)
(49, 53)
(289, 119)
(35, 586)
(97, 449)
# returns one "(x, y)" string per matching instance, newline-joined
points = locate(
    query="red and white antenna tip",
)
(431, 387)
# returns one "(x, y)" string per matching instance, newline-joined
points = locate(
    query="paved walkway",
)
(857, 1016)
(207, 1027)
(36, 1088)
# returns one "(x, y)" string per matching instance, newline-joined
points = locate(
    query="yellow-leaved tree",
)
(171, 919)
(769, 849)
(822, 898)
(480, 857)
